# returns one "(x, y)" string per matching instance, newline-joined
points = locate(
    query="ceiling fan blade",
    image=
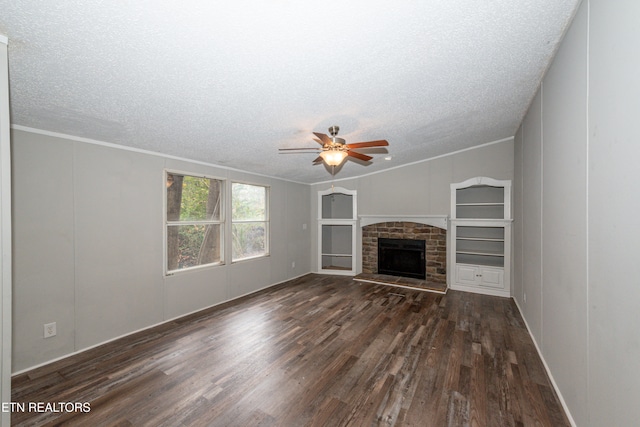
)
(296, 149)
(317, 159)
(318, 141)
(378, 143)
(359, 155)
(323, 137)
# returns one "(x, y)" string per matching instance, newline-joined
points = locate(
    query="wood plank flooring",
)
(315, 351)
(402, 282)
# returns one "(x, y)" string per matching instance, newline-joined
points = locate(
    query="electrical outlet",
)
(293, 265)
(524, 297)
(304, 226)
(50, 330)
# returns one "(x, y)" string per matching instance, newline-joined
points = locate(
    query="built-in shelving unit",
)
(480, 201)
(481, 236)
(480, 245)
(337, 218)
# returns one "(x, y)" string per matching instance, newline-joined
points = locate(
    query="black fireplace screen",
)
(402, 257)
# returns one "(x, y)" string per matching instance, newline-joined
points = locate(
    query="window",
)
(249, 221)
(194, 221)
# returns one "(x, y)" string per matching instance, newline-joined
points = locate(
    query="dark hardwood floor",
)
(315, 351)
(402, 282)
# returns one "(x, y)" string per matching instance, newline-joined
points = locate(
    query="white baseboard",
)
(546, 367)
(22, 371)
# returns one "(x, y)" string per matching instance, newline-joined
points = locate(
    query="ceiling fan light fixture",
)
(333, 157)
(335, 150)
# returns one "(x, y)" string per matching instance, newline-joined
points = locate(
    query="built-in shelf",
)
(479, 204)
(480, 239)
(337, 231)
(479, 261)
(481, 236)
(487, 253)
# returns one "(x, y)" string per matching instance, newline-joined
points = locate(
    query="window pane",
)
(191, 198)
(248, 240)
(249, 202)
(192, 245)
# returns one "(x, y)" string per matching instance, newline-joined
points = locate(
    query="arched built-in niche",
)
(337, 218)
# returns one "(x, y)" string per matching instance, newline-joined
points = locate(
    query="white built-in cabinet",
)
(337, 218)
(480, 242)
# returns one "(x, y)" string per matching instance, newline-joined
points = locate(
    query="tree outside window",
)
(194, 223)
(249, 221)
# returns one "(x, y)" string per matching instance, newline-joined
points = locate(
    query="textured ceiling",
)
(229, 83)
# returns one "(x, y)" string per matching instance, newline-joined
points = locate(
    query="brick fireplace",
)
(435, 246)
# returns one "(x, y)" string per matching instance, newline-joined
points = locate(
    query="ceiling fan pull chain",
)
(333, 176)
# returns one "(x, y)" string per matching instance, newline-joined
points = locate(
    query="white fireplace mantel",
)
(440, 221)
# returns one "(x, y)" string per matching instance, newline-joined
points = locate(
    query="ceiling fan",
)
(334, 149)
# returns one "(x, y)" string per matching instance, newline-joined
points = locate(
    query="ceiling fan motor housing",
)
(333, 131)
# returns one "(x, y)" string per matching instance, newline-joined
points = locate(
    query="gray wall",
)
(88, 245)
(575, 237)
(5, 235)
(418, 189)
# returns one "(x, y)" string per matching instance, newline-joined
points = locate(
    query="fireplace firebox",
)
(402, 257)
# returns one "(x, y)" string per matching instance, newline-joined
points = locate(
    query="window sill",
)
(241, 260)
(192, 269)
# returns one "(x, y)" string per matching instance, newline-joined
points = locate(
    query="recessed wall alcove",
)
(435, 245)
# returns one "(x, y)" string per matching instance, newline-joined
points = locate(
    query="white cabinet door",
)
(492, 277)
(475, 275)
(467, 274)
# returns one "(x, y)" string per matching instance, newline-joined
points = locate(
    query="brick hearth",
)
(435, 239)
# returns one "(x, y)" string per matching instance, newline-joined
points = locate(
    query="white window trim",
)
(267, 221)
(166, 224)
